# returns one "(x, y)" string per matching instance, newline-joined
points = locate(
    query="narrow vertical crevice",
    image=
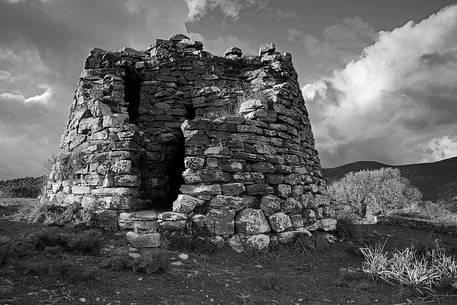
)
(132, 94)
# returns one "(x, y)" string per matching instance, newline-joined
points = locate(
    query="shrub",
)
(376, 192)
(51, 214)
(152, 262)
(429, 210)
(117, 263)
(89, 242)
(429, 271)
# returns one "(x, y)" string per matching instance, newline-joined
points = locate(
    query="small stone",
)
(186, 203)
(134, 255)
(280, 222)
(177, 263)
(183, 256)
(218, 241)
(259, 242)
(178, 37)
(233, 51)
(172, 216)
(287, 237)
(267, 48)
(236, 243)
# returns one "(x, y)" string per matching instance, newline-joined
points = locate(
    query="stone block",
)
(291, 206)
(80, 190)
(270, 204)
(228, 202)
(252, 221)
(172, 216)
(233, 189)
(259, 242)
(221, 221)
(280, 222)
(259, 189)
(151, 240)
(283, 190)
(186, 203)
(203, 189)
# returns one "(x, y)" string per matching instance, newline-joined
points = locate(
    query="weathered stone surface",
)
(221, 221)
(228, 202)
(186, 203)
(259, 189)
(258, 242)
(291, 206)
(127, 219)
(233, 51)
(326, 224)
(236, 243)
(172, 216)
(196, 190)
(279, 222)
(233, 189)
(270, 204)
(252, 221)
(267, 48)
(151, 240)
(225, 134)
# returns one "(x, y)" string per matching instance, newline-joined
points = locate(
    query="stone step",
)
(140, 241)
(145, 220)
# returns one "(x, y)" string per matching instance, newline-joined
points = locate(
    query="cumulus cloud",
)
(230, 8)
(397, 102)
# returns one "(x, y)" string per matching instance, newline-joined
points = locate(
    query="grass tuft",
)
(430, 271)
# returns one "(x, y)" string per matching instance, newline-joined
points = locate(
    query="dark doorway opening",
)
(132, 86)
(162, 169)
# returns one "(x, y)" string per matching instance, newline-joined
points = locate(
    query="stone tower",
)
(174, 136)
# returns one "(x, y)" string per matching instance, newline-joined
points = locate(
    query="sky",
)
(379, 77)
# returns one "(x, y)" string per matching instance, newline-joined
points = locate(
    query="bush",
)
(51, 214)
(152, 262)
(429, 210)
(117, 263)
(89, 242)
(377, 192)
(430, 271)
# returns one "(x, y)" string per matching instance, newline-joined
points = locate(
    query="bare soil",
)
(220, 278)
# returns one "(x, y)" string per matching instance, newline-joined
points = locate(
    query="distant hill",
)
(28, 187)
(436, 181)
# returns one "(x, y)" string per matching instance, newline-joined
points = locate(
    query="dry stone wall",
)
(174, 136)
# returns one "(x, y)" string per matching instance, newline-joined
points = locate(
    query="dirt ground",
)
(219, 278)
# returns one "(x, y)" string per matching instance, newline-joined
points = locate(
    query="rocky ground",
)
(328, 275)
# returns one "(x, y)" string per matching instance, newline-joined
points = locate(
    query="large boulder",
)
(252, 221)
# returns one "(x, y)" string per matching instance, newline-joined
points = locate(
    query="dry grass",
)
(431, 271)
